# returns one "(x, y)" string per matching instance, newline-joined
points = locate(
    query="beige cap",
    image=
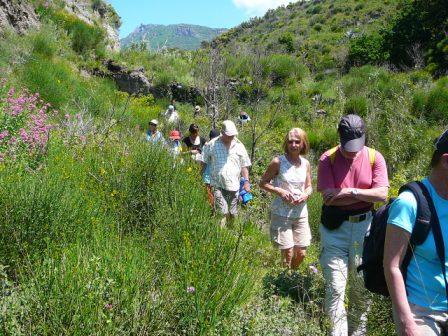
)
(229, 128)
(154, 121)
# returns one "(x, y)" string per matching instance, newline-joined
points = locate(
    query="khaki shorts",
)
(226, 201)
(289, 232)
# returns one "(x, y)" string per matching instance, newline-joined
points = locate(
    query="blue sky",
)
(210, 13)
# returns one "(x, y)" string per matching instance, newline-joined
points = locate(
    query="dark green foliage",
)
(356, 105)
(437, 104)
(367, 49)
(432, 104)
(281, 68)
(420, 27)
(85, 37)
(287, 40)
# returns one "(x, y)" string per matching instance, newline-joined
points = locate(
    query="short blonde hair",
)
(301, 134)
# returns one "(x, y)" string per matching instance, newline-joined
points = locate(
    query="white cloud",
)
(259, 7)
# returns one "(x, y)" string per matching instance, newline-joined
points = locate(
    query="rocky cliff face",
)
(17, 15)
(20, 16)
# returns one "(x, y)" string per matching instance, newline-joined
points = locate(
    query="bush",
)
(356, 105)
(437, 104)
(85, 37)
(367, 49)
(283, 68)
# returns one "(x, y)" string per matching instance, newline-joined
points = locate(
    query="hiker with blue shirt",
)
(153, 135)
(420, 301)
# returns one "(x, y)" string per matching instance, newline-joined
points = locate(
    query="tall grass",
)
(113, 240)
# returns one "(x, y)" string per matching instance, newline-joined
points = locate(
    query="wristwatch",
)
(354, 192)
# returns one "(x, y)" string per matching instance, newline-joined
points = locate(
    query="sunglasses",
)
(294, 141)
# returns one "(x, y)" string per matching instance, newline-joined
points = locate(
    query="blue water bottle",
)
(244, 195)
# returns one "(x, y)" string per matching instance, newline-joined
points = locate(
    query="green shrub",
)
(419, 101)
(287, 40)
(437, 104)
(356, 105)
(367, 49)
(284, 68)
(85, 37)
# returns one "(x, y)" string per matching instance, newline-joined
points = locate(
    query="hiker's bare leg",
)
(299, 254)
(287, 257)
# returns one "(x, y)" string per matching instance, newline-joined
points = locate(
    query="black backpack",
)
(373, 250)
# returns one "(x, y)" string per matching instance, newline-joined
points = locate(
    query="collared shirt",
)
(352, 173)
(225, 164)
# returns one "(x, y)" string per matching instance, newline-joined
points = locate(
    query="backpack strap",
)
(332, 154)
(372, 153)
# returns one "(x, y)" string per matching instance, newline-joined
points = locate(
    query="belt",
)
(359, 218)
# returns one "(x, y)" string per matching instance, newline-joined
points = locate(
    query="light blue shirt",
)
(154, 138)
(424, 283)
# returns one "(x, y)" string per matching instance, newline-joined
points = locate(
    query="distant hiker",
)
(173, 103)
(153, 135)
(197, 111)
(420, 301)
(206, 173)
(228, 161)
(194, 142)
(171, 116)
(243, 118)
(291, 175)
(175, 145)
(351, 178)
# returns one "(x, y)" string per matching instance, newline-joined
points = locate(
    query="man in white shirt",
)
(228, 160)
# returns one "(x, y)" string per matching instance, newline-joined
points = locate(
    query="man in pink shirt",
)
(351, 178)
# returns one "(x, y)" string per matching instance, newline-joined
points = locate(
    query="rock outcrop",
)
(18, 16)
(130, 81)
(84, 10)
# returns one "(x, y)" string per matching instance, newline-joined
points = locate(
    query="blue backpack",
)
(373, 250)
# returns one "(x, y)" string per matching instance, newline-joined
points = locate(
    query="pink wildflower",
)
(191, 290)
(313, 269)
(4, 134)
(108, 306)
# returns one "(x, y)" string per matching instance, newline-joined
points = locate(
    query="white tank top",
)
(293, 179)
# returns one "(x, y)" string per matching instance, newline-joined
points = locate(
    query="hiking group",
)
(399, 248)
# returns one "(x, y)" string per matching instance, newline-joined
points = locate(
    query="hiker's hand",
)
(329, 194)
(246, 186)
(410, 329)
(286, 196)
(300, 198)
(194, 151)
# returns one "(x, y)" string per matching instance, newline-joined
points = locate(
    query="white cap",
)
(154, 121)
(229, 128)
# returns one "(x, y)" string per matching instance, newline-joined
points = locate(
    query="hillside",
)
(317, 31)
(182, 36)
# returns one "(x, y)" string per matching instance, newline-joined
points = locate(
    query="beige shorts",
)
(289, 232)
(226, 201)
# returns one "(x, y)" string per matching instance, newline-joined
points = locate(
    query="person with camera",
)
(288, 177)
(351, 178)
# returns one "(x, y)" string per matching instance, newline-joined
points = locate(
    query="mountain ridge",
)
(181, 35)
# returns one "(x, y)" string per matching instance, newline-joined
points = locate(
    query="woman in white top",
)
(291, 177)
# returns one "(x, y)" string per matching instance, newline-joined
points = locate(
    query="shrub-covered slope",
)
(317, 31)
